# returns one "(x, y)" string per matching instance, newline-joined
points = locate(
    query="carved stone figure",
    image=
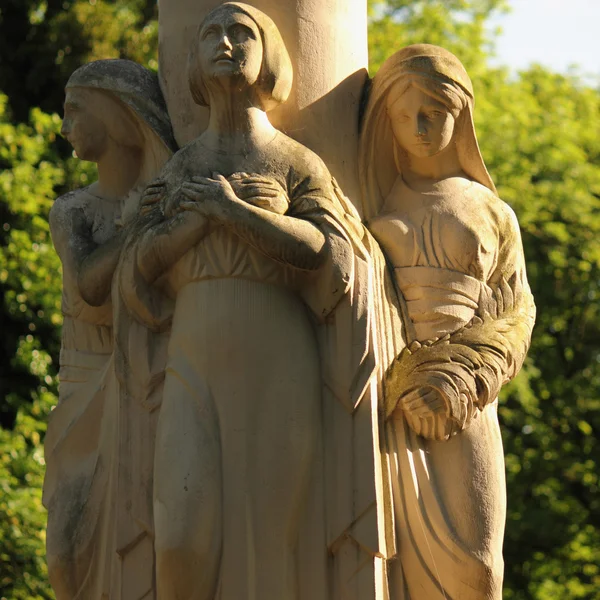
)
(456, 257)
(244, 246)
(114, 116)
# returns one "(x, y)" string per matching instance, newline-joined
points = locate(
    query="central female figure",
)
(250, 224)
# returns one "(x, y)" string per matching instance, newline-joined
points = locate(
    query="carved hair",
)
(439, 74)
(276, 74)
(136, 91)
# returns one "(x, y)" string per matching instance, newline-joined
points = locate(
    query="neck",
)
(235, 126)
(431, 169)
(118, 170)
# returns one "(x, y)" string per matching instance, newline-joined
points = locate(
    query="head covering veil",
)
(136, 86)
(378, 169)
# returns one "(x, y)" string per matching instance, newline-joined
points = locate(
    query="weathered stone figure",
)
(114, 116)
(239, 499)
(457, 261)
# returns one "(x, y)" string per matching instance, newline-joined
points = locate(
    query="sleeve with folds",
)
(468, 367)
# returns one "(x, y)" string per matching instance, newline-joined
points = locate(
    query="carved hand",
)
(264, 192)
(208, 196)
(153, 194)
(289, 240)
(426, 411)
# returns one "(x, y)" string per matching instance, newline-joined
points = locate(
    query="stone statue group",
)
(269, 391)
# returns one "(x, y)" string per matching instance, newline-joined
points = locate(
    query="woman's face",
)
(83, 126)
(422, 125)
(231, 47)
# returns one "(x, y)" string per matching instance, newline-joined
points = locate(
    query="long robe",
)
(347, 496)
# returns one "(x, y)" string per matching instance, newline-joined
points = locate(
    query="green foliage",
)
(540, 136)
(29, 270)
(43, 41)
(553, 182)
(458, 25)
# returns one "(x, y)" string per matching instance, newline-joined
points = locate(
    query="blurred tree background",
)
(540, 136)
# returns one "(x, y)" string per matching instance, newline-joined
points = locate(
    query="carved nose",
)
(421, 127)
(225, 43)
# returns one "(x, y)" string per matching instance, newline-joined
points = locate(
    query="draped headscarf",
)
(441, 75)
(137, 87)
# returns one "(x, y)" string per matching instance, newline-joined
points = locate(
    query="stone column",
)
(327, 41)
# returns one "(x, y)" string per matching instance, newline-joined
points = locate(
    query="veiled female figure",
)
(115, 116)
(241, 234)
(455, 253)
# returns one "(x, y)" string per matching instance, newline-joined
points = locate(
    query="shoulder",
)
(66, 205)
(184, 160)
(305, 168)
(69, 213)
(501, 212)
(301, 158)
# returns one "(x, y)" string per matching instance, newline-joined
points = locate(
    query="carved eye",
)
(240, 33)
(402, 118)
(210, 33)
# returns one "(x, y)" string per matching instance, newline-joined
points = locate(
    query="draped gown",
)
(256, 347)
(448, 248)
(80, 441)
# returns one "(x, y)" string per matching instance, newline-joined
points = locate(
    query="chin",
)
(226, 71)
(86, 154)
(426, 151)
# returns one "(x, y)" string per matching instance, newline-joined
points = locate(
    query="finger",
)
(192, 194)
(193, 185)
(413, 398)
(260, 201)
(150, 200)
(259, 187)
(154, 190)
(424, 407)
(204, 180)
(409, 400)
(186, 205)
(258, 179)
(245, 194)
(416, 425)
(423, 404)
(424, 426)
(262, 183)
(429, 427)
(157, 183)
(236, 176)
(222, 180)
(440, 428)
(437, 405)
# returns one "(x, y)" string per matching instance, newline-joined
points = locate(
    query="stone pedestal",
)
(327, 41)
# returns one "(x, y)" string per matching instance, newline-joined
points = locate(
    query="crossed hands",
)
(210, 196)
